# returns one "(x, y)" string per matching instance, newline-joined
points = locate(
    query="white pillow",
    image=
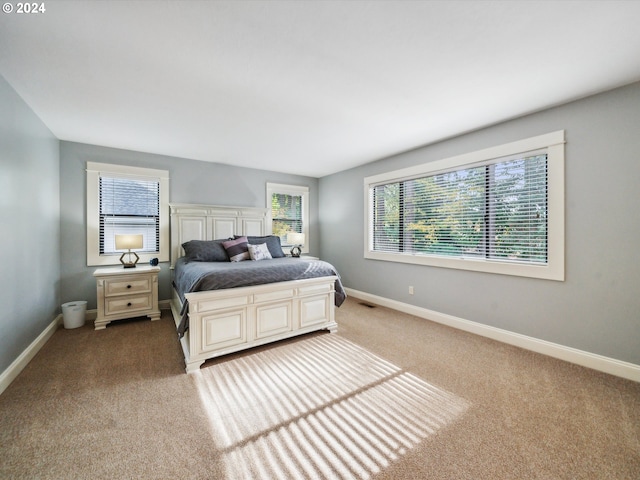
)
(259, 252)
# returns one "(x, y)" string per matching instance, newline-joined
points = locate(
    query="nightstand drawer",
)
(133, 303)
(126, 286)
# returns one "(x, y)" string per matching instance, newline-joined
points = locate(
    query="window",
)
(126, 200)
(289, 211)
(129, 206)
(500, 210)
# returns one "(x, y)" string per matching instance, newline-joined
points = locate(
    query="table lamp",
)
(127, 242)
(297, 240)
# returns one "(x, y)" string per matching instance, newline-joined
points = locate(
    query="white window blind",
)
(286, 215)
(495, 211)
(129, 206)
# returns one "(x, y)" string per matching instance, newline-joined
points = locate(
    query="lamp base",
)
(296, 251)
(129, 264)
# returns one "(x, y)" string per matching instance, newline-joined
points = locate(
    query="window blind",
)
(129, 206)
(286, 215)
(494, 211)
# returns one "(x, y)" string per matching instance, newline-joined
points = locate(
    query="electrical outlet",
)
(410, 290)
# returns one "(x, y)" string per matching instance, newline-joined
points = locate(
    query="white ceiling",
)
(307, 87)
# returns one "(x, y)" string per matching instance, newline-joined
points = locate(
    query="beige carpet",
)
(389, 397)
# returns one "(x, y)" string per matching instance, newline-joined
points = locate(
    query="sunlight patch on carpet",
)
(322, 407)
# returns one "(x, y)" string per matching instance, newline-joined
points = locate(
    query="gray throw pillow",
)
(205, 250)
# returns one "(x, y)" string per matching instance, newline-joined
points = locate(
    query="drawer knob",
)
(128, 286)
(129, 304)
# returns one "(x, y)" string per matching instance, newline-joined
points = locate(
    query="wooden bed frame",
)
(230, 320)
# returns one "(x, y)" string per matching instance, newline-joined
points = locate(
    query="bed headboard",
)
(210, 222)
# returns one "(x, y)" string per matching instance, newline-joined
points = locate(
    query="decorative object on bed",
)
(205, 250)
(128, 242)
(273, 244)
(297, 240)
(252, 302)
(237, 249)
(259, 252)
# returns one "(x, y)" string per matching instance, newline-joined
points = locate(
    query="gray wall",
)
(29, 225)
(191, 181)
(597, 308)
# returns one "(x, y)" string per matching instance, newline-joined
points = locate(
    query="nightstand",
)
(126, 293)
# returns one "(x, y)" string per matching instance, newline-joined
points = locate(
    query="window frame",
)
(293, 190)
(553, 143)
(94, 172)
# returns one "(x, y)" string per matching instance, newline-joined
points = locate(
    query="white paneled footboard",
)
(230, 320)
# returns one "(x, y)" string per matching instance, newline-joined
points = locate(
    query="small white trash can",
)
(73, 314)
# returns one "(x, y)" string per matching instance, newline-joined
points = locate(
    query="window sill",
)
(546, 272)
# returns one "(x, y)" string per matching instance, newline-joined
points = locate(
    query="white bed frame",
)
(230, 320)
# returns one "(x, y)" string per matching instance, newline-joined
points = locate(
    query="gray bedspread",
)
(201, 276)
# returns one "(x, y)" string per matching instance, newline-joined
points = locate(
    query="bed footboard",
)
(230, 320)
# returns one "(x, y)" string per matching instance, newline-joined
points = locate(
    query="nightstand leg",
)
(101, 324)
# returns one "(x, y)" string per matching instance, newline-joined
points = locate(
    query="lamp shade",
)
(128, 242)
(294, 238)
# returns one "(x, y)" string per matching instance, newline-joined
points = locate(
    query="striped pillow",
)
(237, 249)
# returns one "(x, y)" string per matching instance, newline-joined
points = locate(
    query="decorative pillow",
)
(237, 249)
(273, 244)
(205, 250)
(259, 252)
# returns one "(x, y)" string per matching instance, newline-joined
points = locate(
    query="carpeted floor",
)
(390, 396)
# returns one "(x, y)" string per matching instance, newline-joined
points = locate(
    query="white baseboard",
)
(25, 357)
(608, 365)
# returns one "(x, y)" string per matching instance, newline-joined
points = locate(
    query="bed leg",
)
(193, 366)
